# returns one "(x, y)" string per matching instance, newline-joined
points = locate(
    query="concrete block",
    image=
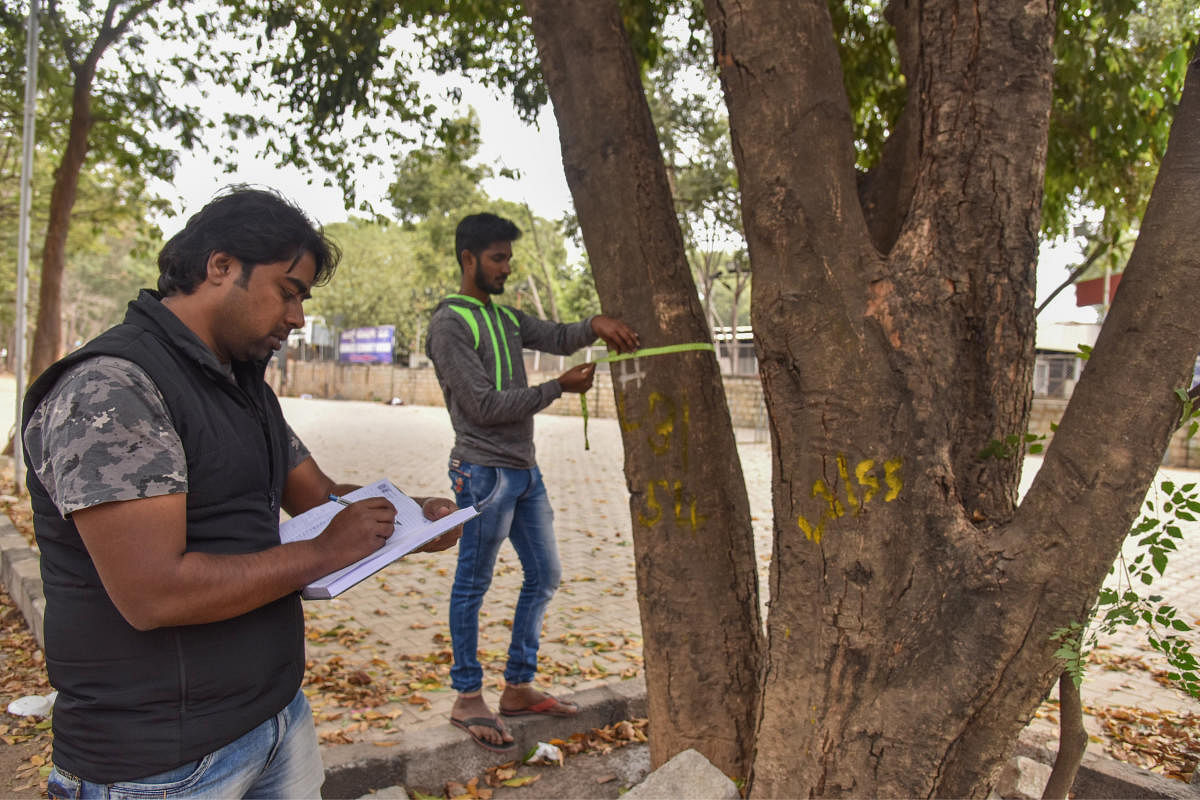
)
(1101, 776)
(687, 776)
(1022, 779)
(389, 793)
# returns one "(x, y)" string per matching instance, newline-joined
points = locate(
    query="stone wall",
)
(1181, 452)
(419, 386)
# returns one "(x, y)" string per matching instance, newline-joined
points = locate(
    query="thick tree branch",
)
(69, 45)
(886, 191)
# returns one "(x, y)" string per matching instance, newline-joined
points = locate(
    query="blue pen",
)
(343, 502)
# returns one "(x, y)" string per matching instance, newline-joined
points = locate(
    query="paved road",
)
(592, 630)
(404, 609)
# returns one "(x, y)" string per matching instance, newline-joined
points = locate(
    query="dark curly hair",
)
(255, 226)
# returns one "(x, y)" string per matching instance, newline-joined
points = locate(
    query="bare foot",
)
(471, 708)
(520, 699)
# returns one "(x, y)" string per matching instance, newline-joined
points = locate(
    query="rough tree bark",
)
(911, 603)
(697, 584)
(911, 599)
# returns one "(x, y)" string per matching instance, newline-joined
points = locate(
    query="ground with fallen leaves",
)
(1161, 741)
(359, 698)
(527, 771)
(25, 754)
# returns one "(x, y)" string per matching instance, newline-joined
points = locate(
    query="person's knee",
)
(548, 580)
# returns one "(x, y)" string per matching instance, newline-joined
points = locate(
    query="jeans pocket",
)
(180, 781)
(474, 484)
(62, 785)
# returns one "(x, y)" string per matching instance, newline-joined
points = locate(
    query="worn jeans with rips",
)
(512, 505)
(280, 758)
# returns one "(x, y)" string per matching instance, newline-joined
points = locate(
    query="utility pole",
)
(31, 64)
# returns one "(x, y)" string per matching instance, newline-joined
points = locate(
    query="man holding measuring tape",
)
(475, 346)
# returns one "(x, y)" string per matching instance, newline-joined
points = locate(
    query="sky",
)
(506, 141)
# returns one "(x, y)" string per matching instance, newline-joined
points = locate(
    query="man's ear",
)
(222, 267)
(468, 261)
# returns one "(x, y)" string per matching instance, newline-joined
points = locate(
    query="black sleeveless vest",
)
(134, 703)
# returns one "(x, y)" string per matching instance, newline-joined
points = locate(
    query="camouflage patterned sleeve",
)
(104, 434)
(297, 452)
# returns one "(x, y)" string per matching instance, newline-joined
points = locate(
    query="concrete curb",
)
(20, 569)
(1102, 776)
(431, 754)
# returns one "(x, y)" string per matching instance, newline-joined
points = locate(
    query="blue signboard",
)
(373, 345)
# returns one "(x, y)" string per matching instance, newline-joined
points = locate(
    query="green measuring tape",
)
(643, 353)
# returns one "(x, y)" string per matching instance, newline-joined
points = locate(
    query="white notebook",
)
(412, 531)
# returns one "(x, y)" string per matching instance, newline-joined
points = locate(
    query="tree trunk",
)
(911, 604)
(1072, 740)
(47, 337)
(697, 583)
(117, 18)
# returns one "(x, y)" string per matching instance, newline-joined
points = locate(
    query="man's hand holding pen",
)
(359, 529)
(370, 511)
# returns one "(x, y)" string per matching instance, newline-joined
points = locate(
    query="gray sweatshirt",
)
(476, 350)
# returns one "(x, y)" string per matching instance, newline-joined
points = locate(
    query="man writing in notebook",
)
(159, 462)
(475, 345)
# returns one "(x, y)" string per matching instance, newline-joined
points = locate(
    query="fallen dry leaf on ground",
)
(1165, 742)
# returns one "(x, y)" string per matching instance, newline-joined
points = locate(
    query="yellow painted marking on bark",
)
(666, 427)
(628, 424)
(891, 476)
(652, 503)
(865, 479)
(844, 472)
(812, 533)
(868, 481)
(821, 489)
(684, 506)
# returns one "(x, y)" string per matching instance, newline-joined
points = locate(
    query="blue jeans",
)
(513, 505)
(278, 759)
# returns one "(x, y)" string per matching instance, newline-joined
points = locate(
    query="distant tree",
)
(693, 130)
(109, 264)
(437, 185)
(89, 99)
(377, 281)
(121, 83)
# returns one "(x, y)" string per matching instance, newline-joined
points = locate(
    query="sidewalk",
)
(591, 639)
(592, 631)
(379, 655)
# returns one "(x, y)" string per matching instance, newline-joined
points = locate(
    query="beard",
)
(491, 287)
